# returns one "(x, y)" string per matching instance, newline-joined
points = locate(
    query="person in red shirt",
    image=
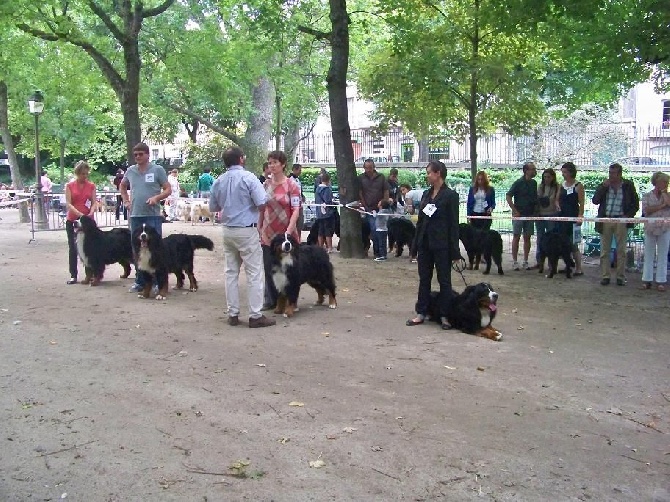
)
(280, 216)
(80, 201)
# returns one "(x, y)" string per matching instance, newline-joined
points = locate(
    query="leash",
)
(459, 266)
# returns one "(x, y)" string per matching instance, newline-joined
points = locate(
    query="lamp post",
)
(36, 106)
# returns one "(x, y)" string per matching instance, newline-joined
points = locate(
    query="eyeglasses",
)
(138, 154)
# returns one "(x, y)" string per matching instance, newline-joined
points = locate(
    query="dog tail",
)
(201, 242)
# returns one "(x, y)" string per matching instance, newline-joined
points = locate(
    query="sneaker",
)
(605, 281)
(380, 258)
(261, 322)
(135, 288)
(73, 280)
(525, 266)
(515, 265)
(621, 282)
(233, 320)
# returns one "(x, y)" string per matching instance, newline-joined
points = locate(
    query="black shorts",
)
(326, 226)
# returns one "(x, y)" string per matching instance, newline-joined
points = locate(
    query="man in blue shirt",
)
(239, 196)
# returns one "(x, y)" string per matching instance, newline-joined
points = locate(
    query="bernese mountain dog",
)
(295, 264)
(555, 245)
(98, 248)
(471, 311)
(156, 258)
(480, 243)
(400, 234)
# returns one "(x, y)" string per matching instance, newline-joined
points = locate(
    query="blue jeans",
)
(136, 222)
(543, 227)
(382, 242)
(370, 221)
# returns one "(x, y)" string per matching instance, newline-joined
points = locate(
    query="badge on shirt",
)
(149, 178)
(570, 190)
(88, 204)
(429, 210)
(295, 201)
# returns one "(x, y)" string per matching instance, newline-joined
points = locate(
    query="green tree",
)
(102, 31)
(449, 65)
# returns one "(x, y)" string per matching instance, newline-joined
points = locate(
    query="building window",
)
(154, 153)
(666, 114)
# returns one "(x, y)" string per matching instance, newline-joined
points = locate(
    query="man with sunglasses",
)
(149, 185)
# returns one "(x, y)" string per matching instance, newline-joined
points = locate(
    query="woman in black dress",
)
(571, 204)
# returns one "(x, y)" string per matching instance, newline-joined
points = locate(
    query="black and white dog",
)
(97, 248)
(295, 264)
(471, 311)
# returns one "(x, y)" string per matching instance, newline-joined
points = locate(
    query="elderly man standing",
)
(374, 188)
(239, 196)
(615, 198)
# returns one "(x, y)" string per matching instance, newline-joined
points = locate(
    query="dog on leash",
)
(295, 264)
(471, 311)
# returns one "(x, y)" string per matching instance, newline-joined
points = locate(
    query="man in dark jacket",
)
(615, 198)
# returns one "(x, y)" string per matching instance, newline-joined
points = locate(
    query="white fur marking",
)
(143, 261)
(279, 276)
(486, 317)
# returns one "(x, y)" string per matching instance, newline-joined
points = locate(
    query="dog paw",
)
(485, 272)
(499, 336)
(332, 306)
(161, 297)
(141, 295)
(193, 290)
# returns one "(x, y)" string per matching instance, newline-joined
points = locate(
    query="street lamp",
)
(36, 106)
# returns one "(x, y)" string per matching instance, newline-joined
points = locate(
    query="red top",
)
(81, 197)
(283, 200)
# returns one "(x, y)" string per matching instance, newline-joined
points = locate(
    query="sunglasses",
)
(138, 154)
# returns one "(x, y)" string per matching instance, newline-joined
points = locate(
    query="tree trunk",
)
(472, 108)
(8, 144)
(424, 149)
(351, 245)
(291, 141)
(130, 97)
(279, 125)
(259, 132)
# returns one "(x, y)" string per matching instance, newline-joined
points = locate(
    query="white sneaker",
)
(515, 265)
(380, 258)
(525, 265)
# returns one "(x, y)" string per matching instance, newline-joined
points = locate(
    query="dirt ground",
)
(106, 397)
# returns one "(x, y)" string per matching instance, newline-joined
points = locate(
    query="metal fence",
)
(592, 145)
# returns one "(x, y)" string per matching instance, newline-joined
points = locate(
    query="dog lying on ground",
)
(97, 248)
(481, 243)
(555, 245)
(294, 265)
(400, 234)
(471, 311)
(157, 258)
